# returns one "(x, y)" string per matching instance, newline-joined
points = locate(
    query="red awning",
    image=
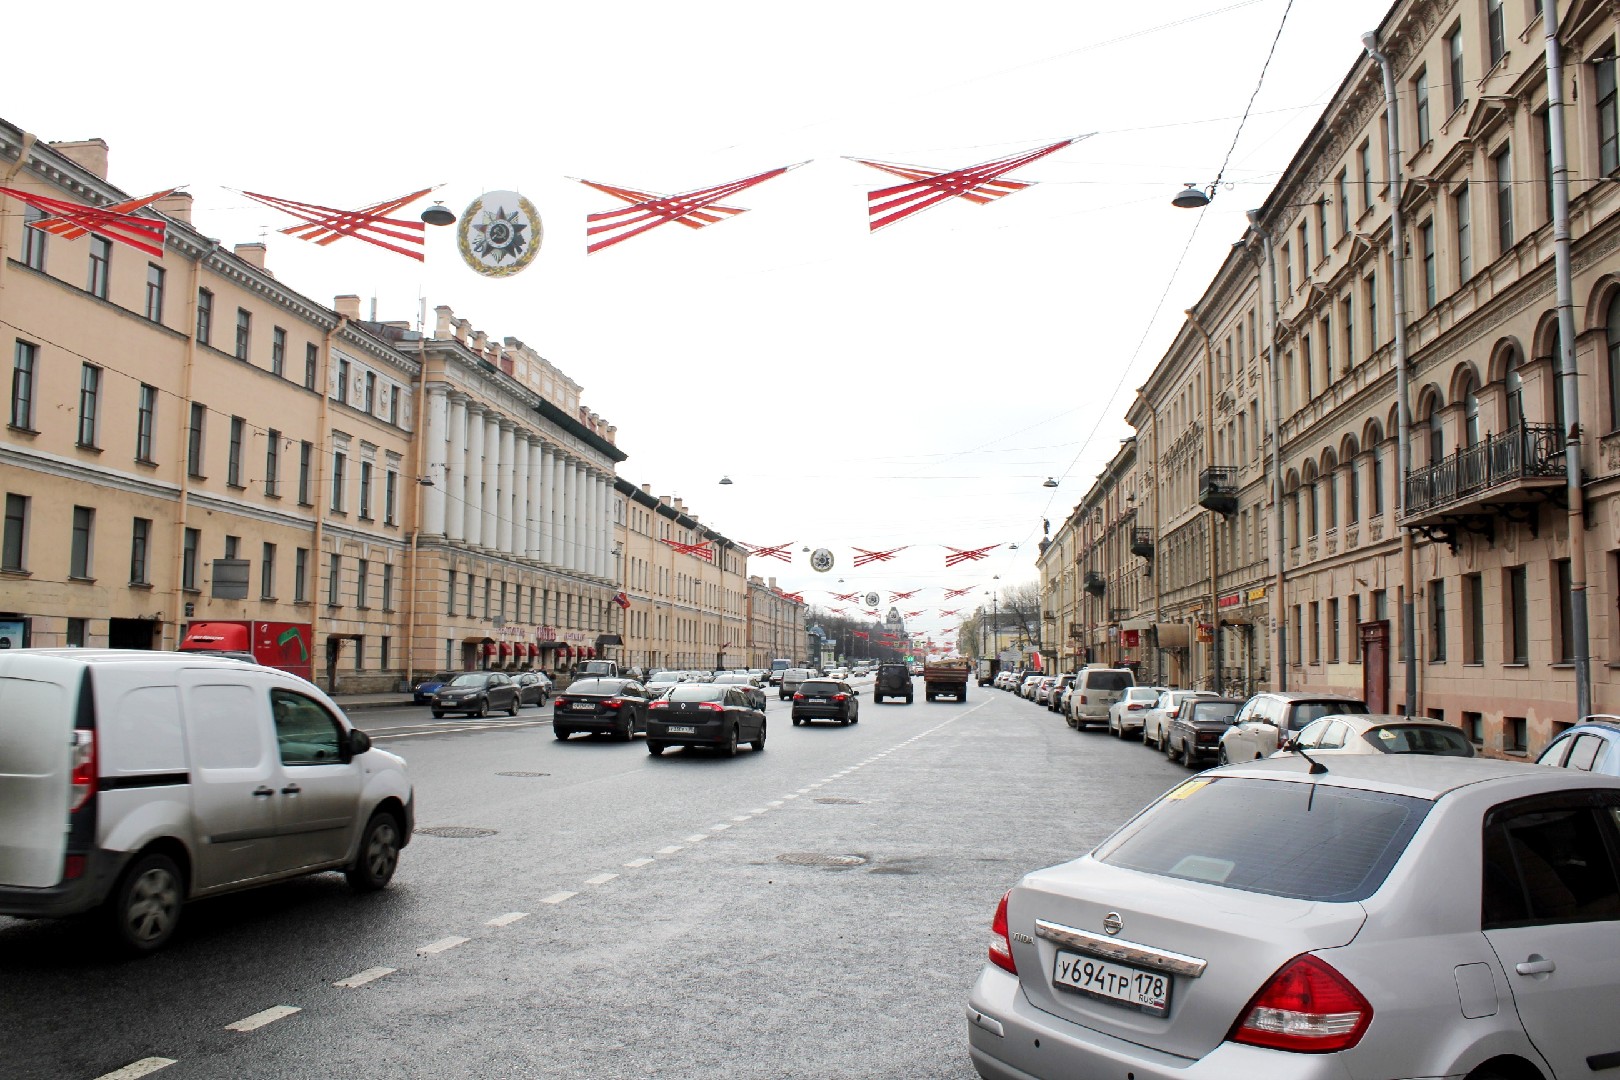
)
(564, 650)
(489, 648)
(590, 652)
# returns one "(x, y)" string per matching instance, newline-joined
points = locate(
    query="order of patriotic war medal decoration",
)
(499, 233)
(821, 560)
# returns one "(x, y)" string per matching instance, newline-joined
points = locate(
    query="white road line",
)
(143, 1067)
(637, 864)
(720, 826)
(778, 802)
(758, 811)
(740, 817)
(508, 919)
(259, 1019)
(696, 837)
(557, 897)
(672, 849)
(793, 796)
(442, 945)
(804, 791)
(360, 978)
(600, 879)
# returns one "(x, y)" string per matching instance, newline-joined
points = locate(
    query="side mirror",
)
(359, 742)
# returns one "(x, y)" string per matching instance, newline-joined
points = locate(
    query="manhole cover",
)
(817, 858)
(455, 832)
(522, 774)
(834, 800)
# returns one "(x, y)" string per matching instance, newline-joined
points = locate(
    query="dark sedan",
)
(477, 693)
(1196, 731)
(745, 683)
(826, 699)
(704, 714)
(616, 707)
(427, 687)
(533, 687)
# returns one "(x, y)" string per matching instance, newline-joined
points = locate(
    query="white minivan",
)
(131, 782)
(1094, 690)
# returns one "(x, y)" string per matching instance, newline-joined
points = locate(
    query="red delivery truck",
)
(274, 644)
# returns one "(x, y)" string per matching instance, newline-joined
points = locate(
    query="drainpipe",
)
(1214, 522)
(1279, 610)
(1403, 451)
(183, 499)
(1564, 283)
(324, 387)
(419, 437)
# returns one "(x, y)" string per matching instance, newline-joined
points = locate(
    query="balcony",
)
(1095, 583)
(1217, 489)
(1506, 476)
(1142, 542)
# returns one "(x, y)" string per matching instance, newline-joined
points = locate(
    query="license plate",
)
(681, 729)
(582, 706)
(817, 700)
(1145, 990)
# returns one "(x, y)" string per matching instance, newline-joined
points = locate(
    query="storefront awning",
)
(1173, 635)
(1136, 624)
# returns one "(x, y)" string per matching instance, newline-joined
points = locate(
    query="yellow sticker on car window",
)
(1187, 789)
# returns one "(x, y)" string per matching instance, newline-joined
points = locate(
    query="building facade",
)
(776, 628)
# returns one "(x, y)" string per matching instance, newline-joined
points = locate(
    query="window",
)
(233, 465)
(278, 351)
(371, 392)
(1420, 101)
(24, 361)
(489, 589)
(1612, 340)
(301, 575)
(343, 381)
(390, 497)
(100, 260)
(1474, 613)
(140, 548)
(1326, 337)
(311, 353)
(34, 240)
(205, 315)
(1305, 366)
(1454, 66)
(450, 592)
(1426, 248)
(340, 463)
(1355, 629)
(305, 450)
(1502, 171)
(1460, 214)
(1352, 511)
(1518, 614)
(1437, 437)
(145, 422)
(1563, 600)
(387, 590)
(1333, 630)
(334, 579)
(362, 575)
(1495, 32)
(393, 406)
(89, 403)
(1372, 312)
(233, 544)
(16, 534)
(267, 572)
(365, 490)
(272, 464)
(1288, 270)
(194, 440)
(244, 332)
(188, 559)
(306, 734)
(1364, 163)
(1342, 194)
(76, 631)
(1549, 861)
(1321, 225)
(1544, 126)
(382, 655)
(154, 292)
(1608, 117)
(1437, 621)
(1316, 632)
(1304, 252)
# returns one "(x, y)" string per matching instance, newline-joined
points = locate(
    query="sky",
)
(911, 388)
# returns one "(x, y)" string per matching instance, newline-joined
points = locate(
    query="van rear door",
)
(36, 773)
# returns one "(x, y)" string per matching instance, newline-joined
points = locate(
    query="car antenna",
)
(1316, 766)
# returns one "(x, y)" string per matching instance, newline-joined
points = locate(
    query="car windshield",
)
(1141, 693)
(819, 686)
(697, 692)
(796, 673)
(1303, 712)
(596, 686)
(1321, 842)
(1108, 680)
(471, 678)
(1420, 739)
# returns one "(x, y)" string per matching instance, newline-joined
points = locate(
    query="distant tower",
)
(894, 623)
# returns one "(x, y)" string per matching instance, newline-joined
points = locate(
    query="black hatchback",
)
(1196, 731)
(704, 714)
(615, 707)
(826, 699)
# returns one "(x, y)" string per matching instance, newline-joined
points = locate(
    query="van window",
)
(1108, 681)
(1304, 712)
(306, 734)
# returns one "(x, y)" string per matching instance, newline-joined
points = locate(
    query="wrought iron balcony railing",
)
(1520, 460)
(1142, 542)
(1095, 583)
(1217, 489)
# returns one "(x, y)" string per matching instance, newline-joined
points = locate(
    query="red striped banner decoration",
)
(324, 224)
(140, 233)
(924, 188)
(694, 209)
(780, 551)
(69, 230)
(953, 593)
(960, 555)
(846, 597)
(903, 595)
(863, 557)
(702, 551)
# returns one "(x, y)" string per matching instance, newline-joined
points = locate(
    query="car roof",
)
(1307, 695)
(1421, 776)
(1372, 720)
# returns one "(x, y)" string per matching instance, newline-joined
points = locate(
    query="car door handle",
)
(263, 792)
(1536, 965)
(291, 789)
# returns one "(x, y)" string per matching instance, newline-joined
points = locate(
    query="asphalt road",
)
(816, 910)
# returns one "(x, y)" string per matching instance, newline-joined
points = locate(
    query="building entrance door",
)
(1375, 664)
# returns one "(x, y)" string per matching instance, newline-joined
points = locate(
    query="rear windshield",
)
(732, 680)
(596, 686)
(1303, 712)
(1108, 681)
(819, 686)
(697, 692)
(1319, 843)
(1420, 739)
(796, 673)
(1213, 711)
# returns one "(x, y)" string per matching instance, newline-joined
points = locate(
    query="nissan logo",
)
(1112, 923)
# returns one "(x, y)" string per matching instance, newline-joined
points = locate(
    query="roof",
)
(1421, 776)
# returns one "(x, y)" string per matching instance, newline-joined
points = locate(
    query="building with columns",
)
(776, 627)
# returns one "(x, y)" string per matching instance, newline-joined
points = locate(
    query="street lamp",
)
(1190, 198)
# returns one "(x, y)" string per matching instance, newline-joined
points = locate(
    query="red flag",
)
(861, 634)
(622, 600)
(1035, 660)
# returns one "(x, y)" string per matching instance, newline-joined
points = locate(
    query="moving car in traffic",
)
(893, 680)
(476, 693)
(826, 699)
(616, 707)
(706, 716)
(422, 693)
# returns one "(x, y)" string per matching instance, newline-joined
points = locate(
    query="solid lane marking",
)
(697, 837)
(600, 879)
(442, 945)
(720, 826)
(360, 978)
(259, 1019)
(739, 817)
(672, 849)
(637, 864)
(778, 802)
(508, 919)
(557, 897)
(143, 1067)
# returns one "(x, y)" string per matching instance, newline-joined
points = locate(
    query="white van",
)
(1094, 690)
(134, 781)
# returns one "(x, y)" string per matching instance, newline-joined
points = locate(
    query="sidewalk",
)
(360, 702)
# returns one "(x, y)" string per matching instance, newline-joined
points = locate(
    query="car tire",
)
(655, 748)
(482, 710)
(730, 748)
(908, 699)
(877, 699)
(374, 863)
(1222, 757)
(516, 705)
(438, 714)
(144, 909)
(759, 743)
(561, 733)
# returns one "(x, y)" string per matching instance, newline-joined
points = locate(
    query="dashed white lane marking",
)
(600, 879)
(508, 919)
(442, 945)
(143, 1067)
(721, 826)
(697, 837)
(259, 1019)
(556, 898)
(672, 849)
(740, 817)
(360, 978)
(804, 791)
(778, 802)
(758, 811)
(637, 864)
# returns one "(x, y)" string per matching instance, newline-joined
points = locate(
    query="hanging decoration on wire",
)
(846, 597)
(140, 233)
(70, 230)
(951, 594)
(701, 550)
(871, 612)
(925, 187)
(863, 556)
(499, 233)
(961, 555)
(903, 595)
(950, 611)
(325, 225)
(821, 560)
(694, 209)
(796, 597)
(914, 614)
(780, 551)
(860, 634)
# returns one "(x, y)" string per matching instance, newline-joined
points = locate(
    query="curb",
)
(360, 706)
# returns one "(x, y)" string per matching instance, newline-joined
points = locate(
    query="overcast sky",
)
(911, 387)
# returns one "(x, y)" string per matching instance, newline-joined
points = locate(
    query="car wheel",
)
(908, 699)
(629, 731)
(759, 743)
(655, 748)
(877, 699)
(1222, 757)
(856, 718)
(1172, 752)
(374, 864)
(482, 710)
(515, 706)
(145, 907)
(561, 733)
(730, 749)
(438, 714)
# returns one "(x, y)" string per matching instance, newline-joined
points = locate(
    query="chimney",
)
(647, 488)
(251, 253)
(176, 205)
(462, 326)
(90, 155)
(348, 304)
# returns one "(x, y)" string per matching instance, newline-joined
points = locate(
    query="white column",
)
(548, 501)
(520, 495)
(433, 459)
(505, 488)
(455, 471)
(490, 538)
(604, 528)
(474, 502)
(571, 510)
(587, 521)
(531, 498)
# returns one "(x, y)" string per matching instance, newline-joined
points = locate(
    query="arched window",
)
(1558, 377)
(1437, 438)
(1377, 481)
(1331, 481)
(1515, 398)
(1315, 511)
(1353, 510)
(1471, 415)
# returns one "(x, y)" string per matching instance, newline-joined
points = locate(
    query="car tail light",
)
(1084, 700)
(712, 706)
(614, 703)
(1000, 946)
(659, 705)
(1135, 708)
(798, 696)
(84, 767)
(1173, 713)
(840, 697)
(559, 701)
(73, 867)
(1307, 1007)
